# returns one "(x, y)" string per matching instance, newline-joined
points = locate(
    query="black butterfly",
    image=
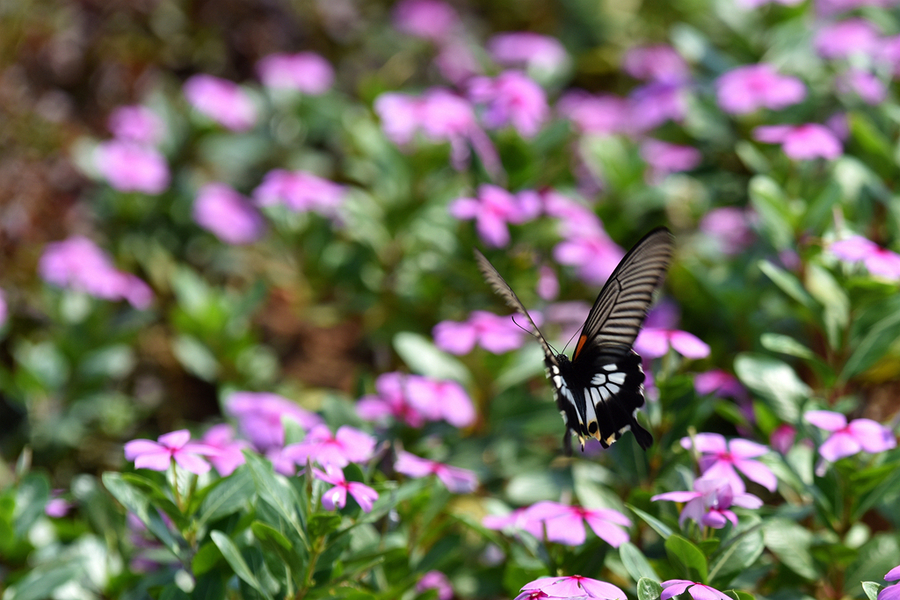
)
(599, 391)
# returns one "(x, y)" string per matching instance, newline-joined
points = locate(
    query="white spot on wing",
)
(617, 377)
(613, 388)
(604, 393)
(599, 379)
(609, 367)
(557, 381)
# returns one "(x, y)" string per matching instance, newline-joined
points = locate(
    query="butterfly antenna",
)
(531, 333)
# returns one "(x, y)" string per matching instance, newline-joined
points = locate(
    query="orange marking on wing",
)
(580, 345)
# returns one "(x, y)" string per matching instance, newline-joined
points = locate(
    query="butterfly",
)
(599, 391)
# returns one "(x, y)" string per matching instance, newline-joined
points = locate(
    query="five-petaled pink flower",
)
(229, 451)
(891, 592)
(492, 332)
(494, 209)
(564, 524)
(849, 438)
(698, 591)
(653, 342)
(415, 399)
(222, 101)
(132, 167)
(570, 586)
(719, 458)
(709, 503)
(337, 496)
(230, 216)
(847, 38)
(751, 87)
(158, 456)
(801, 142)
(435, 580)
(879, 261)
(300, 191)
(348, 445)
(457, 480)
(305, 72)
(511, 98)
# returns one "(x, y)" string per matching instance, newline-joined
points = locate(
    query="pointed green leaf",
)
(788, 283)
(238, 564)
(648, 589)
(658, 526)
(32, 495)
(227, 497)
(423, 357)
(871, 589)
(636, 563)
(775, 381)
(278, 493)
(688, 557)
(136, 502)
(790, 542)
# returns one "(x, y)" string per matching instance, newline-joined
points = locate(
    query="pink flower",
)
(435, 580)
(427, 19)
(157, 456)
(511, 98)
(570, 586)
(348, 445)
(227, 214)
(494, 208)
(300, 191)
(492, 332)
(724, 385)
(540, 55)
(260, 415)
(56, 506)
(729, 227)
(305, 72)
(657, 102)
(222, 101)
(548, 284)
(138, 124)
(879, 261)
(131, 167)
(653, 342)
(595, 115)
(655, 63)
(595, 256)
(747, 89)
(846, 39)
(337, 496)
(801, 142)
(229, 455)
(891, 592)
(698, 591)
(457, 480)
(79, 264)
(782, 438)
(848, 439)
(565, 524)
(708, 505)
(4, 310)
(864, 84)
(414, 399)
(664, 158)
(457, 62)
(719, 458)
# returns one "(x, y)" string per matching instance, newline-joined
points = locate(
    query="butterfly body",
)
(599, 391)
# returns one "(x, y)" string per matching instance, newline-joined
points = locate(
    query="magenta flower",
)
(730, 228)
(846, 39)
(864, 84)
(570, 586)
(718, 460)
(564, 524)
(848, 439)
(511, 98)
(4, 310)
(782, 438)
(722, 384)
(337, 496)
(260, 414)
(391, 401)
(414, 399)
(664, 158)
(300, 191)
(131, 167)
(494, 209)
(57, 507)
(427, 19)
(801, 142)
(750, 4)
(229, 455)
(457, 62)
(595, 115)
(158, 456)
(492, 332)
(305, 72)
(79, 264)
(540, 55)
(227, 214)
(223, 101)
(653, 342)
(698, 591)
(457, 480)
(751, 87)
(657, 102)
(435, 580)
(891, 592)
(547, 284)
(655, 63)
(879, 261)
(708, 505)
(348, 445)
(138, 124)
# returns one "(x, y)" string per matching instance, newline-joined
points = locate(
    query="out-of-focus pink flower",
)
(729, 227)
(891, 592)
(229, 455)
(719, 458)
(801, 142)
(494, 209)
(337, 496)
(709, 503)
(227, 214)
(457, 62)
(305, 72)
(595, 114)
(300, 191)
(348, 445)
(132, 167)
(435, 580)
(782, 438)
(848, 439)
(664, 158)
(565, 524)
(56, 506)
(888, 53)
(137, 124)
(751, 87)
(594, 256)
(415, 399)
(657, 102)
(223, 101)
(570, 586)
(698, 591)
(4, 310)
(511, 98)
(427, 19)
(750, 4)
(879, 261)
(575, 219)
(548, 284)
(259, 416)
(158, 456)
(79, 264)
(492, 332)
(724, 385)
(540, 55)
(827, 8)
(653, 342)
(655, 63)
(864, 84)
(457, 480)
(847, 38)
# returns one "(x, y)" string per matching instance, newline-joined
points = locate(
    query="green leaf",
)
(195, 357)
(879, 328)
(790, 543)
(228, 496)
(737, 554)
(636, 563)
(785, 344)
(423, 357)
(42, 581)
(686, 557)
(658, 526)
(823, 287)
(233, 557)
(279, 494)
(741, 595)
(648, 589)
(775, 381)
(321, 524)
(206, 558)
(273, 541)
(771, 205)
(871, 588)
(136, 502)
(873, 559)
(32, 495)
(788, 283)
